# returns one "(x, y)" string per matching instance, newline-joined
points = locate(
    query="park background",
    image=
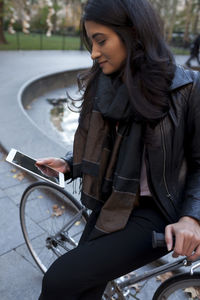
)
(54, 24)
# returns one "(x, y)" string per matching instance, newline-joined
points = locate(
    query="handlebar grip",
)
(158, 239)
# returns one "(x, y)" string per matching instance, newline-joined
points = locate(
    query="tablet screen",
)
(30, 165)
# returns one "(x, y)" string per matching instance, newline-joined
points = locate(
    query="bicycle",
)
(52, 221)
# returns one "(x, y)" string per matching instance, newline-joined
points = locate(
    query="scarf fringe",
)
(75, 182)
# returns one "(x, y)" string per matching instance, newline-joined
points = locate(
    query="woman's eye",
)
(101, 43)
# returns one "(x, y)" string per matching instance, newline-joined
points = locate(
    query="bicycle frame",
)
(61, 233)
(116, 288)
(120, 287)
(71, 222)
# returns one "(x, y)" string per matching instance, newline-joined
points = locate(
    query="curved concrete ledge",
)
(16, 128)
(37, 87)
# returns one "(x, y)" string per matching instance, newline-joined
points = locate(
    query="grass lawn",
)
(34, 41)
(180, 51)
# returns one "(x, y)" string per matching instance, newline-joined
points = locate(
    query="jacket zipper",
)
(169, 196)
(153, 193)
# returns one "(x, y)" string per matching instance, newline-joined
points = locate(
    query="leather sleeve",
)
(69, 159)
(191, 204)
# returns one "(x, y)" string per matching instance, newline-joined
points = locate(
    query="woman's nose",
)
(95, 53)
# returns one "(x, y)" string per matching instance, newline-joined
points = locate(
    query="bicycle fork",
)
(53, 241)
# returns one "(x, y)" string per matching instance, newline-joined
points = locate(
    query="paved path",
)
(20, 279)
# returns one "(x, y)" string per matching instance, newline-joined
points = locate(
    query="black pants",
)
(82, 274)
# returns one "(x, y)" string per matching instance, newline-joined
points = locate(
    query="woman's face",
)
(107, 47)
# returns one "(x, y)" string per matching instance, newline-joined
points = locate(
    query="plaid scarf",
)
(107, 155)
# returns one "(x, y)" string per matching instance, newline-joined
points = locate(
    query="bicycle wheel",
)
(52, 222)
(179, 287)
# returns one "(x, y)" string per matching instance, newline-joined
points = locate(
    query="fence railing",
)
(39, 41)
(64, 41)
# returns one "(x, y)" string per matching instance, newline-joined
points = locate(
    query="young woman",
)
(137, 150)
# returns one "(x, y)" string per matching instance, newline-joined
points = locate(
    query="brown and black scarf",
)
(107, 155)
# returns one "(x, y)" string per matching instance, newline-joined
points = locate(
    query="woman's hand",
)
(57, 164)
(187, 238)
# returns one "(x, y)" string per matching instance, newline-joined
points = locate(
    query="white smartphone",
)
(29, 164)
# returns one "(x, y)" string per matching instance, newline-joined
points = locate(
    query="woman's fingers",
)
(187, 237)
(191, 243)
(169, 237)
(57, 164)
(46, 170)
(46, 161)
(179, 243)
(196, 254)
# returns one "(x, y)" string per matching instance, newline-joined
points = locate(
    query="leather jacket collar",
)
(182, 77)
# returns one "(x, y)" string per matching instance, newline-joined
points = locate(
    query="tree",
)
(167, 11)
(2, 37)
(172, 20)
(181, 16)
(189, 10)
(196, 18)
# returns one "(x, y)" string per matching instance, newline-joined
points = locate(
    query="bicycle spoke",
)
(52, 222)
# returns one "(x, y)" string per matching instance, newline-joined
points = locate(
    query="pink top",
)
(144, 188)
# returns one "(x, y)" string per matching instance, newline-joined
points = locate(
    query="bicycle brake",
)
(194, 267)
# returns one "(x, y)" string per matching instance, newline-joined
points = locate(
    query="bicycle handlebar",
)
(158, 239)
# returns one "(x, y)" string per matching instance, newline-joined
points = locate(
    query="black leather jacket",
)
(173, 158)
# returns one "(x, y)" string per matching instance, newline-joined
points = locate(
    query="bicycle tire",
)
(179, 287)
(45, 210)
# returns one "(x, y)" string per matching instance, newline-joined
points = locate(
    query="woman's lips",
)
(102, 63)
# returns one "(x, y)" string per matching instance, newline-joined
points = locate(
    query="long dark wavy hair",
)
(149, 65)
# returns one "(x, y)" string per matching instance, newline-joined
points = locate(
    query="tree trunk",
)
(196, 19)
(186, 38)
(2, 37)
(54, 17)
(172, 20)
